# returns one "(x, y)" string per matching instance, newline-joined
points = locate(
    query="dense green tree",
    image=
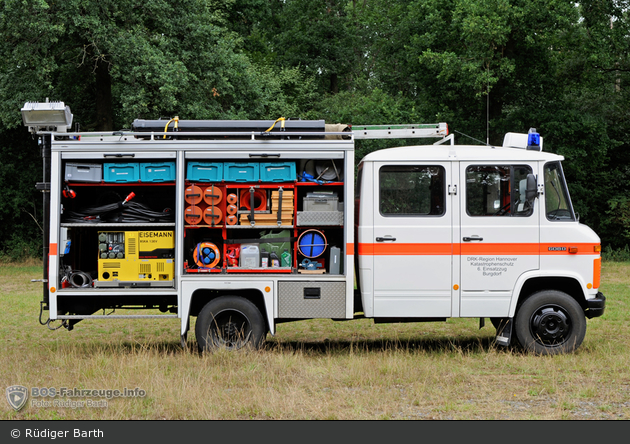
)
(124, 59)
(492, 66)
(316, 35)
(483, 66)
(114, 61)
(595, 120)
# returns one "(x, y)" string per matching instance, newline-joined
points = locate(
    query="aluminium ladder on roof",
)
(430, 130)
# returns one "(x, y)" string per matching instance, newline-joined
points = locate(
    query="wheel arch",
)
(531, 284)
(202, 296)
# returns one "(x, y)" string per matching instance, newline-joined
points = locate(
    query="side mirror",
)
(532, 188)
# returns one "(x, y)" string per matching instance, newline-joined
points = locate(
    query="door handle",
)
(474, 238)
(383, 239)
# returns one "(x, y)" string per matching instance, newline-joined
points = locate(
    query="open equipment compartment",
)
(117, 230)
(256, 200)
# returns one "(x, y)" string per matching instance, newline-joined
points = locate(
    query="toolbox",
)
(241, 171)
(121, 172)
(204, 171)
(277, 172)
(321, 201)
(313, 218)
(157, 172)
(84, 172)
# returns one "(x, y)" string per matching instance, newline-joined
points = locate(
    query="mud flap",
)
(504, 332)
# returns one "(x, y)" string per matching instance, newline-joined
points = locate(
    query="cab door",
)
(412, 244)
(499, 236)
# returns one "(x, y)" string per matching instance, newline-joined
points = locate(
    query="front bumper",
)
(595, 307)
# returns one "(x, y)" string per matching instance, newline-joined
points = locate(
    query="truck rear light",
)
(573, 250)
(597, 248)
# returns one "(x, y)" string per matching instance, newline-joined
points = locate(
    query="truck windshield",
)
(557, 201)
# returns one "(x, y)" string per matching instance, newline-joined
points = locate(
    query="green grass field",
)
(316, 369)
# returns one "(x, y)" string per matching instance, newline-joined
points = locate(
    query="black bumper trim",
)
(595, 307)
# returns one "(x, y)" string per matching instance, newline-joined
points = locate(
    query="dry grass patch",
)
(317, 369)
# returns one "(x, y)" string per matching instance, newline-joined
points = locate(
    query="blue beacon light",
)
(533, 140)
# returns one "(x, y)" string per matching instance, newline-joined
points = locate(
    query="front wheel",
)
(231, 323)
(550, 322)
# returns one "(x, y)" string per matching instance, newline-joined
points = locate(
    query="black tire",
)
(550, 322)
(230, 323)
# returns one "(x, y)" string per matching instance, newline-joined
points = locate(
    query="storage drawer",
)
(241, 172)
(277, 172)
(320, 203)
(311, 299)
(157, 172)
(204, 171)
(121, 172)
(84, 172)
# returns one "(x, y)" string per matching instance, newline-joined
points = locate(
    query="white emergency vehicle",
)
(247, 224)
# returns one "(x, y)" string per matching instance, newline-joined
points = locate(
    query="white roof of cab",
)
(468, 153)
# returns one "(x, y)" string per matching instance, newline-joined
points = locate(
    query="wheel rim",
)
(230, 329)
(550, 326)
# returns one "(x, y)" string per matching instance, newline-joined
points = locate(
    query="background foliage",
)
(483, 66)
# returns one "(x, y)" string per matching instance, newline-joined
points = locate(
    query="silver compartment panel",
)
(292, 302)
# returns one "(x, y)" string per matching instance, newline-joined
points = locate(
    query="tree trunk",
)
(104, 111)
(334, 83)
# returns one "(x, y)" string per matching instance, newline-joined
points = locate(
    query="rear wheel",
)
(550, 322)
(231, 323)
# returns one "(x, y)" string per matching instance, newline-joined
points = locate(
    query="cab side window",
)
(412, 190)
(497, 190)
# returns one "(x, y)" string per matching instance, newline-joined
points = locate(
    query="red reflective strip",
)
(350, 249)
(52, 250)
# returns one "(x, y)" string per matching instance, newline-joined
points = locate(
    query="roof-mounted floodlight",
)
(46, 117)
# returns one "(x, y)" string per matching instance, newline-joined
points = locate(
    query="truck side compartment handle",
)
(474, 238)
(383, 239)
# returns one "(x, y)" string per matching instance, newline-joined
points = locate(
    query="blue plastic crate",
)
(241, 172)
(121, 172)
(204, 171)
(277, 172)
(157, 172)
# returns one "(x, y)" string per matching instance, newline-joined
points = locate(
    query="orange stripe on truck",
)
(519, 249)
(439, 249)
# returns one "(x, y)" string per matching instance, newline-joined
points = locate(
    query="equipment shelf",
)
(117, 224)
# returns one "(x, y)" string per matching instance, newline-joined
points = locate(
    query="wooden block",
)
(312, 271)
(285, 194)
(267, 219)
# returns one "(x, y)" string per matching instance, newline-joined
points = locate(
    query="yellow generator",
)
(136, 259)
